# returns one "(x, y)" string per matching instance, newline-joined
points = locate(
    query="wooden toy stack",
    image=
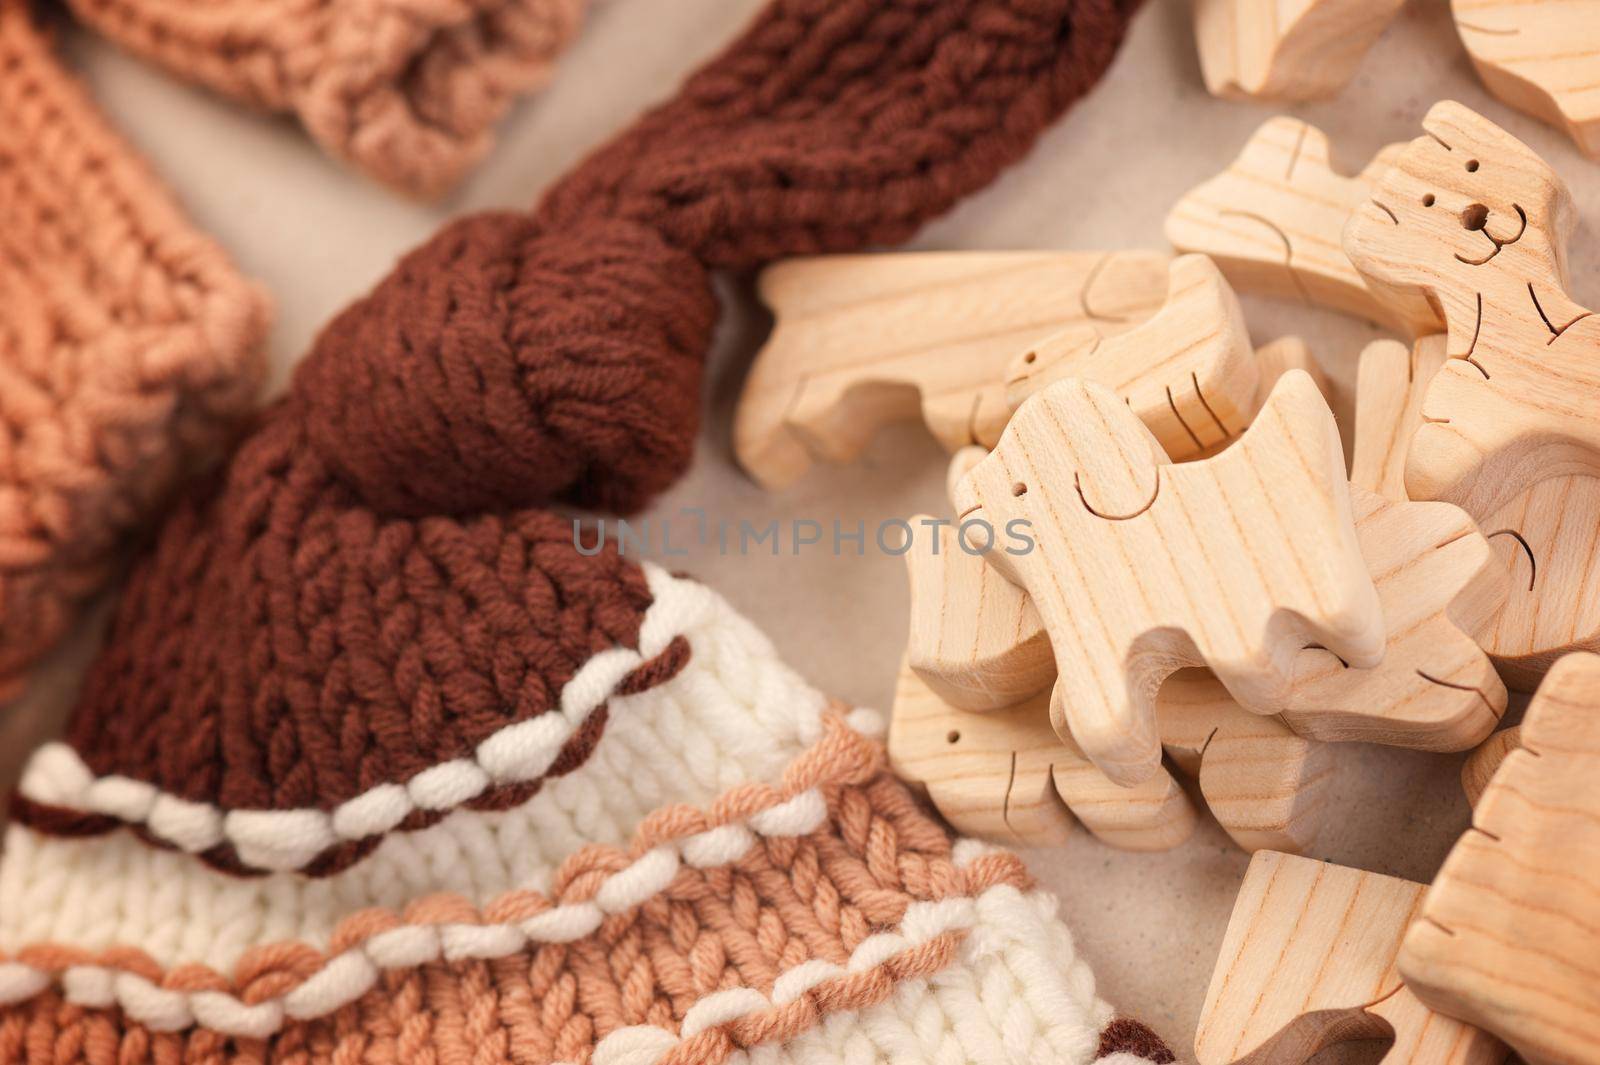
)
(1156, 562)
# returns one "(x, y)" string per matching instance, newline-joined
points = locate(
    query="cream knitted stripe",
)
(288, 840)
(733, 716)
(445, 929)
(352, 973)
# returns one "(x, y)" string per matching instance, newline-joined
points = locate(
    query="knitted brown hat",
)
(128, 342)
(407, 90)
(356, 671)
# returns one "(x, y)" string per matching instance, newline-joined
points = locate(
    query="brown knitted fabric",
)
(408, 91)
(128, 344)
(332, 616)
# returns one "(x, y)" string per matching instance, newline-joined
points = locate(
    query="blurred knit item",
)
(681, 854)
(128, 344)
(408, 91)
(377, 765)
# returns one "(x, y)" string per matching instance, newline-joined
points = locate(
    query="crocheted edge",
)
(308, 983)
(57, 783)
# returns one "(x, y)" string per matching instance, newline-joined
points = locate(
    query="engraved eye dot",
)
(1427, 201)
(1472, 166)
(953, 736)
(1019, 489)
(1475, 217)
(1030, 357)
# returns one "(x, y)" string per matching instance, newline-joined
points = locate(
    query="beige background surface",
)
(1103, 178)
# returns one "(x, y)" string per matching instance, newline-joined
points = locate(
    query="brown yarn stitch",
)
(358, 597)
(128, 345)
(409, 91)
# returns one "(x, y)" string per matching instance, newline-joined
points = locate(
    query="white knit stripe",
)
(735, 714)
(286, 840)
(351, 974)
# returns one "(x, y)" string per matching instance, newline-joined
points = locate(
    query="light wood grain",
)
(975, 639)
(1437, 578)
(986, 771)
(1507, 938)
(1273, 221)
(861, 341)
(1482, 764)
(1140, 568)
(1541, 58)
(1474, 219)
(1308, 962)
(1290, 50)
(1188, 372)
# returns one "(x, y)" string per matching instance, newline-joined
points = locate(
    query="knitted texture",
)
(377, 765)
(128, 343)
(408, 91)
(755, 887)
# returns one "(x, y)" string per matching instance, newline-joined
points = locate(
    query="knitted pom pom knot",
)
(503, 364)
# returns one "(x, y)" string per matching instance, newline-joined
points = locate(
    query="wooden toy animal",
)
(1141, 567)
(1308, 963)
(1274, 219)
(1541, 58)
(1473, 219)
(1507, 938)
(1303, 50)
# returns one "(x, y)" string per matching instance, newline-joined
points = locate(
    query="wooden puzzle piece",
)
(1437, 578)
(1507, 938)
(1481, 764)
(861, 341)
(1294, 51)
(1140, 567)
(1273, 223)
(1474, 219)
(1547, 539)
(1542, 59)
(991, 774)
(1188, 372)
(975, 640)
(1308, 963)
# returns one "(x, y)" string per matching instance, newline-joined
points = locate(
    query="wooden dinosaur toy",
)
(1308, 963)
(1473, 219)
(1273, 222)
(1506, 938)
(861, 341)
(1304, 50)
(1141, 567)
(851, 353)
(1542, 59)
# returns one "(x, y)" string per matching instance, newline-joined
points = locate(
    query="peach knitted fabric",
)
(408, 91)
(128, 342)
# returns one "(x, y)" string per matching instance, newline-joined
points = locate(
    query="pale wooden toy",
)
(1277, 50)
(1188, 372)
(1541, 58)
(1507, 937)
(861, 341)
(1235, 562)
(1473, 218)
(1308, 963)
(1517, 448)
(1482, 763)
(1273, 221)
(1005, 775)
